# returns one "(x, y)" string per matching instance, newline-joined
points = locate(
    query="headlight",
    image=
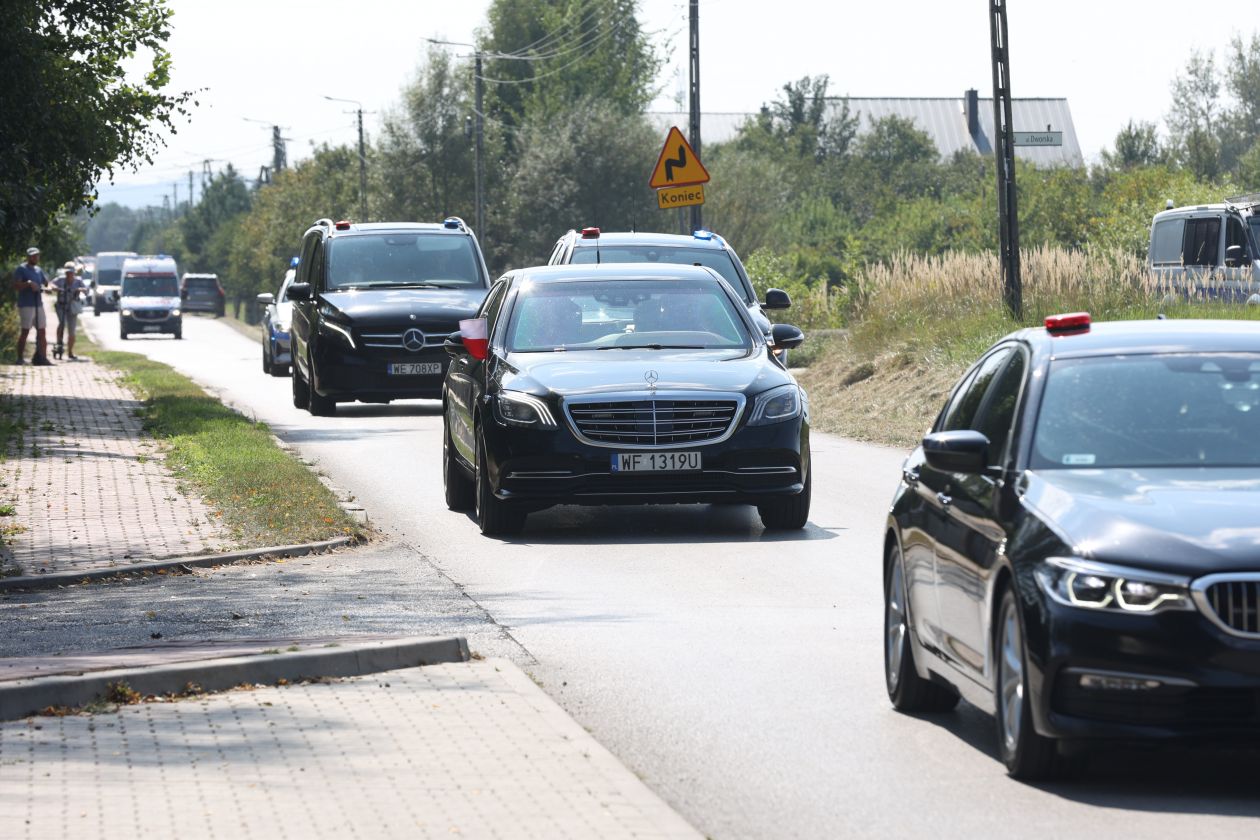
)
(174, 313)
(517, 409)
(126, 313)
(340, 332)
(782, 403)
(1101, 586)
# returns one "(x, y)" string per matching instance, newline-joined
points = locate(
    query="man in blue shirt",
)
(30, 282)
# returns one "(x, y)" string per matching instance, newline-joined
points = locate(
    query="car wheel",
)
(179, 333)
(301, 391)
(459, 488)
(96, 310)
(317, 404)
(906, 689)
(495, 516)
(1027, 754)
(789, 512)
(122, 334)
(266, 360)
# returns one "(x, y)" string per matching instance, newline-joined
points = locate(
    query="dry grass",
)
(917, 323)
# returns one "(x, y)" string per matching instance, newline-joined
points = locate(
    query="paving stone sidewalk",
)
(88, 489)
(463, 750)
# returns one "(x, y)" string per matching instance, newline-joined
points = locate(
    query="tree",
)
(1242, 80)
(69, 112)
(1196, 115)
(1137, 144)
(109, 227)
(224, 198)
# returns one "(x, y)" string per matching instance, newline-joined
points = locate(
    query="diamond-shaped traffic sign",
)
(678, 165)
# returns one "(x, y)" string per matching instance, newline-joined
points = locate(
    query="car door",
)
(945, 531)
(461, 385)
(1236, 272)
(1201, 252)
(968, 549)
(302, 325)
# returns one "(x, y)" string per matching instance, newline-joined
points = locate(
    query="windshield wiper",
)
(388, 285)
(654, 347)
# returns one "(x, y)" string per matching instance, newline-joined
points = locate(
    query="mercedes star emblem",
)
(651, 376)
(413, 340)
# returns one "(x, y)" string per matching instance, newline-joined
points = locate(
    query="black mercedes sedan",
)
(630, 384)
(1075, 545)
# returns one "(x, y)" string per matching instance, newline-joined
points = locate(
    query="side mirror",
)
(777, 299)
(454, 344)
(1235, 256)
(786, 336)
(300, 291)
(115, 295)
(266, 298)
(963, 451)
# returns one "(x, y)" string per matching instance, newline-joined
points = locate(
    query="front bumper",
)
(202, 305)
(165, 324)
(280, 352)
(363, 374)
(1173, 675)
(540, 468)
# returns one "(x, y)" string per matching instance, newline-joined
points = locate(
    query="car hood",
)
(1180, 520)
(154, 302)
(588, 372)
(432, 308)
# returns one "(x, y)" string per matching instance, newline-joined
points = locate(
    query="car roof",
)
(616, 271)
(150, 264)
(194, 275)
(1116, 338)
(396, 227)
(675, 240)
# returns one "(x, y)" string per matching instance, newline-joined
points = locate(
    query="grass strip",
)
(260, 492)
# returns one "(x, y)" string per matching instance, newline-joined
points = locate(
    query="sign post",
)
(679, 176)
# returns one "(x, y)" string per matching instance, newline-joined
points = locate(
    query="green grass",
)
(261, 493)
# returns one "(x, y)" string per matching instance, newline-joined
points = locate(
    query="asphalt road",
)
(738, 672)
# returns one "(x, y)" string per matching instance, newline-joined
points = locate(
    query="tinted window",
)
(109, 277)
(1254, 223)
(719, 261)
(201, 283)
(962, 409)
(490, 306)
(1149, 411)
(1203, 238)
(597, 315)
(1236, 234)
(150, 285)
(402, 259)
(1166, 242)
(999, 407)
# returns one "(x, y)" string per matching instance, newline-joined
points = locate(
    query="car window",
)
(719, 261)
(1159, 410)
(1202, 240)
(1166, 241)
(494, 301)
(150, 285)
(1253, 222)
(1236, 234)
(997, 416)
(598, 315)
(402, 259)
(966, 402)
(309, 247)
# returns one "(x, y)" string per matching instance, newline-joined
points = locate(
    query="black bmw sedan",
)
(1075, 546)
(633, 384)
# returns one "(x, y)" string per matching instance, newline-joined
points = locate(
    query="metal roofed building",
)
(954, 124)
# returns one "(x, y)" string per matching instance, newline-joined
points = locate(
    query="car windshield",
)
(719, 261)
(150, 285)
(625, 314)
(402, 259)
(109, 276)
(1163, 410)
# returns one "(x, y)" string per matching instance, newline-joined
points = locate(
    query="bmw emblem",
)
(651, 376)
(413, 340)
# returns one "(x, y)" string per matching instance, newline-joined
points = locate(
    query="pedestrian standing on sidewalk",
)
(30, 281)
(70, 290)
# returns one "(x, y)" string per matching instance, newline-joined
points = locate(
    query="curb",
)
(22, 698)
(55, 580)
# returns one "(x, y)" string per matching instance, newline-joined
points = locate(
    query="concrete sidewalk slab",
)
(468, 750)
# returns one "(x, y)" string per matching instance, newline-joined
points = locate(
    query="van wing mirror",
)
(1235, 256)
(300, 291)
(266, 297)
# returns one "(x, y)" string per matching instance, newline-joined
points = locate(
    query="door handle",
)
(944, 499)
(910, 477)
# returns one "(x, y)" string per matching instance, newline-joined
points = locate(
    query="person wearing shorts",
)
(30, 281)
(69, 304)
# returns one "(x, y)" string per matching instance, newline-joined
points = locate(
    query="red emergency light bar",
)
(1069, 323)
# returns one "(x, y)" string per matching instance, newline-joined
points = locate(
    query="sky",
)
(274, 61)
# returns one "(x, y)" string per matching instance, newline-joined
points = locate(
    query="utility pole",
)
(206, 175)
(190, 190)
(175, 199)
(1004, 154)
(479, 175)
(362, 155)
(279, 160)
(697, 222)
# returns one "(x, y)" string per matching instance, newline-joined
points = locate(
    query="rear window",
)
(109, 276)
(150, 285)
(1166, 242)
(201, 283)
(719, 261)
(403, 259)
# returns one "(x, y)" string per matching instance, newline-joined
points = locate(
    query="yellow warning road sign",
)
(678, 165)
(672, 197)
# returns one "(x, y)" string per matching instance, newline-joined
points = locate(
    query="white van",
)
(1209, 250)
(149, 299)
(108, 279)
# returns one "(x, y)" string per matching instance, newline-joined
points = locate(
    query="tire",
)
(267, 361)
(316, 404)
(1027, 755)
(459, 488)
(96, 310)
(122, 334)
(789, 513)
(301, 391)
(179, 333)
(906, 689)
(279, 370)
(495, 516)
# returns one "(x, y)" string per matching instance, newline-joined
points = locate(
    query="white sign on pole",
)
(1038, 138)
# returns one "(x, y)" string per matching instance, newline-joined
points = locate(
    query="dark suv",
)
(590, 246)
(373, 305)
(202, 293)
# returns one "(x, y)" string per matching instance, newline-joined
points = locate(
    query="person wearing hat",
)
(30, 281)
(69, 306)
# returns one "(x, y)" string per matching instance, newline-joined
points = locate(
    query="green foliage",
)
(110, 227)
(1137, 144)
(224, 198)
(70, 112)
(815, 304)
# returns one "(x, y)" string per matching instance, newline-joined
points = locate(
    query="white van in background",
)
(1209, 250)
(108, 279)
(149, 299)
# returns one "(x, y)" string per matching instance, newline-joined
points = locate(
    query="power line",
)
(555, 70)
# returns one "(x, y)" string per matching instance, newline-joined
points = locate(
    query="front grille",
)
(1236, 603)
(657, 422)
(150, 314)
(393, 340)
